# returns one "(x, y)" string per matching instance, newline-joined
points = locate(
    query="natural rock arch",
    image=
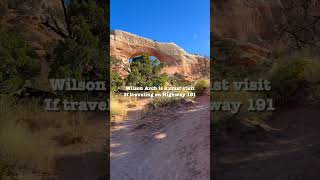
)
(125, 45)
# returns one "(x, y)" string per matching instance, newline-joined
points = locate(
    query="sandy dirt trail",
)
(173, 144)
(292, 153)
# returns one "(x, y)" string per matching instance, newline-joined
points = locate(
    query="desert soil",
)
(83, 161)
(289, 152)
(172, 143)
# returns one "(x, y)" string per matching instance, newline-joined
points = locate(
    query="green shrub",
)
(201, 86)
(178, 79)
(82, 55)
(232, 95)
(94, 14)
(116, 82)
(164, 101)
(18, 62)
(145, 72)
(287, 77)
(312, 71)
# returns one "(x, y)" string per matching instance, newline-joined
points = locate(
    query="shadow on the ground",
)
(294, 154)
(87, 166)
(299, 164)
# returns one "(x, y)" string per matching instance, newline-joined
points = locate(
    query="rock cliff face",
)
(257, 21)
(39, 22)
(247, 20)
(125, 45)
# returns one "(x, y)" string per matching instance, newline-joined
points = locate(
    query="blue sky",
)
(184, 22)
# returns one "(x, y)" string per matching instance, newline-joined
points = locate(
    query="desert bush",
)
(116, 82)
(312, 71)
(163, 101)
(286, 78)
(21, 148)
(79, 61)
(143, 71)
(18, 62)
(228, 50)
(232, 95)
(119, 105)
(71, 130)
(82, 55)
(201, 86)
(8, 168)
(30, 137)
(178, 79)
(94, 14)
(160, 102)
(68, 138)
(293, 75)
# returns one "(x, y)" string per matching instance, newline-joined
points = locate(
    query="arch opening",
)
(137, 57)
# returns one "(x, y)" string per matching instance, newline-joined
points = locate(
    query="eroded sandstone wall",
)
(40, 23)
(125, 45)
(247, 20)
(259, 22)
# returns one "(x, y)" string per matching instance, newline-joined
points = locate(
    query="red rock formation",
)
(125, 45)
(38, 22)
(262, 22)
(247, 20)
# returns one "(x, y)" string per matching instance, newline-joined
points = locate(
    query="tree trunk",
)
(66, 16)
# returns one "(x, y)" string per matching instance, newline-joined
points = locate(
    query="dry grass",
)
(201, 86)
(31, 138)
(117, 108)
(20, 147)
(119, 105)
(219, 117)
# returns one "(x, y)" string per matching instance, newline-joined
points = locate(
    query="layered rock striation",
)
(125, 45)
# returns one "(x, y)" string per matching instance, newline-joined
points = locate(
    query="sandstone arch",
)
(124, 45)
